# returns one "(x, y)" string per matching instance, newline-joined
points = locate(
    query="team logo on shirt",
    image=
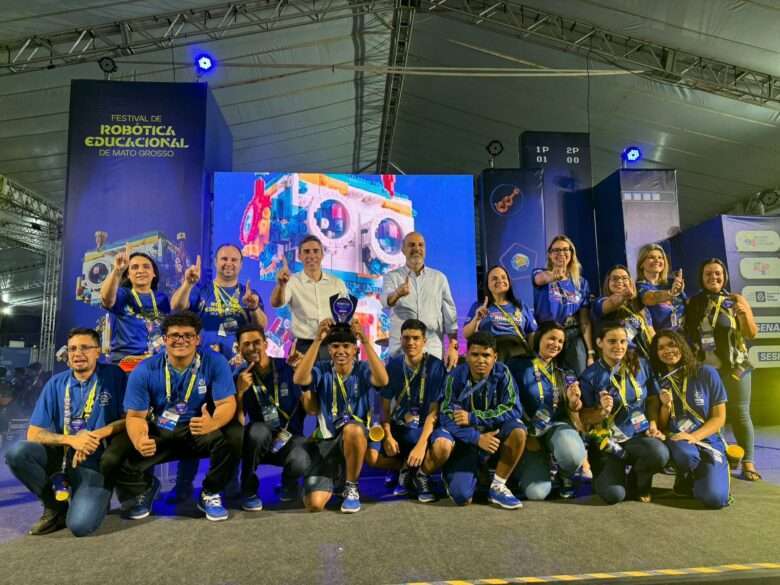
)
(201, 386)
(698, 397)
(104, 398)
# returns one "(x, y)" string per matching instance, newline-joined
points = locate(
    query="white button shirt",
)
(429, 300)
(309, 301)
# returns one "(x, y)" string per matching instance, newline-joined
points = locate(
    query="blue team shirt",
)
(499, 325)
(666, 315)
(357, 385)
(263, 396)
(491, 402)
(129, 332)
(146, 385)
(219, 327)
(631, 321)
(630, 418)
(553, 398)
(560, 300)
(49, 414)
(398, 372)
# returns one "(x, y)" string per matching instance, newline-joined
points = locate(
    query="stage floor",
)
(399, 541)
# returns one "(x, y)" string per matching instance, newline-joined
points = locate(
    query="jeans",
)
(710, 479)
(575, 354)
(738, 411)
(33, 464)
(293, 457)
(533, 471)
(646, 456)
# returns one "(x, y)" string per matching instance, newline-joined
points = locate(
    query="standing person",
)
(180, 403)
(614, 393)
(481, 424)
(337, 393)
(621, 303)
(691, 411)
(416, 291)
(503, 316)
(562, 294)
(307, 293)
(224, 305)
(136, 308)
(718, 323)
(77, 411)
(663, 295)
(410, 404)
(270, 409)
(551, 400)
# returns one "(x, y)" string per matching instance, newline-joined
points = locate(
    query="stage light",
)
(107, 65)
(7, 310)
(5, 297)
(204, 63)
(494, 148)
(632, 154)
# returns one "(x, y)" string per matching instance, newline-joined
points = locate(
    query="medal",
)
(181, 407)
(77, 424)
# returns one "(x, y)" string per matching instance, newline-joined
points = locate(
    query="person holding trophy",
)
(338, 392)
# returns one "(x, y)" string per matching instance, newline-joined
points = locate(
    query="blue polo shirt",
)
(109, 393)
(357, 386)
(630, 415)
(146, 385)
(498, 324)
(264, 395)
(703, 391)
(631, 320)
(538, 392)
(560, 300)
(129, 332)
(666, 315)
(432, 370)
(490, 402)
(220, 319)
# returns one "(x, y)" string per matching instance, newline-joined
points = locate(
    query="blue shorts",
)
(503, 433)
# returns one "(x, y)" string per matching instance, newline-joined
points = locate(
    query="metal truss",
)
(658, 62)
(17, 199)
(179, 28)
(400, 44)
(51, 285)
(8, 276)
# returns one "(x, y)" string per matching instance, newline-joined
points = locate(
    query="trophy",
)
(343, 309)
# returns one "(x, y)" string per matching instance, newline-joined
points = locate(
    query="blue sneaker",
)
(502, 496)
(251, 504)
(141, 507)
(351, 503)
(211, 505)
(423, 486)
(403, 482)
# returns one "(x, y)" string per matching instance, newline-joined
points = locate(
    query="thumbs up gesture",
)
(192, 274)
(251, 299)
(283, 275)
(404, 289)
(203, 424)
(482, 311)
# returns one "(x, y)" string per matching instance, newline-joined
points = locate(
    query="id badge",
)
(340, 422)
(229, 326)
(618, 435)
(631, 331)
(280, 440)
(271, 416)
(168, 420)
(541, 420)
(412, 418)
(77, 424)
(221, 331)
(639, 421)
(686, 425)
(707, 342)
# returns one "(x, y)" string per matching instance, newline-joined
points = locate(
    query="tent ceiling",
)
(305, 119)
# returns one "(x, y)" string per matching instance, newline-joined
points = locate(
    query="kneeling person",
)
(83, 407)
(481, 417)
(337, 393)
(269, 406)
(181, 403)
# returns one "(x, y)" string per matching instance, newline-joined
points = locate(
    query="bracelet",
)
(591, 352)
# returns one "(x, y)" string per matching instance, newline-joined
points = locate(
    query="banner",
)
(136, 178)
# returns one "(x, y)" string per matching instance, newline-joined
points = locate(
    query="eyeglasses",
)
(560, 250)
(620, 278)
(81, 348)
(188, 337)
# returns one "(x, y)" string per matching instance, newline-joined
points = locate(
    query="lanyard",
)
(719, 309)
(335, 408)
(512, 322)
(408, 382)
(621, 387)
(642, 322)
(275, 398)
(89, 404)
(190, 386)
(539, 367)
(220, 297)
(140, 304)
(681, 393)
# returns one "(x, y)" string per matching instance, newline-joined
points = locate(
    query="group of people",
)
(616, 388)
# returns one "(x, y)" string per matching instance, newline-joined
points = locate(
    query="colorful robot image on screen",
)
(360, 219)
(171, 259)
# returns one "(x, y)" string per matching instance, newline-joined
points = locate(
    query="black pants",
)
(293, 457)
(129, 471)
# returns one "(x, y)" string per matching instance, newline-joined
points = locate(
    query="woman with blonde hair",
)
(663, 295)
(562, 294)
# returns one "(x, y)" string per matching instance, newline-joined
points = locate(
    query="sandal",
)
(750, 475)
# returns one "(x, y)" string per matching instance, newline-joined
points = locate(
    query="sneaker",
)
(51, 520)
(566, 487)
(251, 504)
(391, 478)
(683, 485)
(211, 505)
(403, 482)
(351, 503)
(288, 493)
(500, 495)
(141, 507)
(423, 486)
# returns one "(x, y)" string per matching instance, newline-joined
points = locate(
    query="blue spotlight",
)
(632, 154)
(204, 63)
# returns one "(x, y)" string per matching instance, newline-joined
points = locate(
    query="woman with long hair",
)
(663, 295)
(136, 307)
(503, 315)
(562, 294)
(614, 396)
(551, 403)
(717, 323)
(621, 303)
(691, 410)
